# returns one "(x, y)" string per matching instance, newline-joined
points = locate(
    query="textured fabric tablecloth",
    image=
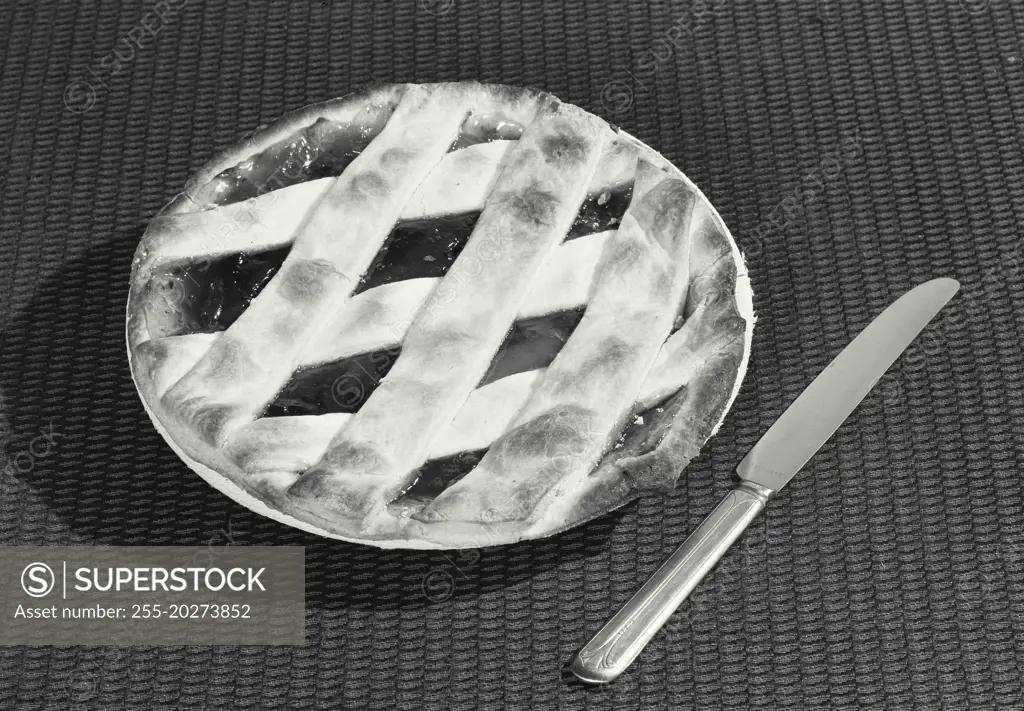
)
(854, 152)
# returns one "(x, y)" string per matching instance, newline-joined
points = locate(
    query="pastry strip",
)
(447, 349)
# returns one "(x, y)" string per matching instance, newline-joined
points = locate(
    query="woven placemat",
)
(853, 151)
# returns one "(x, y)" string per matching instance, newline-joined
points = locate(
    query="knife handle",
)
(620, 641)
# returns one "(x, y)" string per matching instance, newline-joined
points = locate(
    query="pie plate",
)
(438, 316)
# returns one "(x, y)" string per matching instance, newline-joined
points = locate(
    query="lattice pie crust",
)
(446, 315)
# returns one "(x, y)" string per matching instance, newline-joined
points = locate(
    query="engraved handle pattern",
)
(620, 641)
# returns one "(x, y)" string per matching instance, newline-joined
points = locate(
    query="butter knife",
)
(783, 450)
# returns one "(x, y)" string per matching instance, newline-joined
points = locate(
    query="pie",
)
(438, 316)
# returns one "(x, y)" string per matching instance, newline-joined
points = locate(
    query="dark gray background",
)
(889, 575)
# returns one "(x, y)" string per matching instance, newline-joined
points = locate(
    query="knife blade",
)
(781, 452)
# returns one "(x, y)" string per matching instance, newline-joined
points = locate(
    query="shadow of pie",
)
(438, 316)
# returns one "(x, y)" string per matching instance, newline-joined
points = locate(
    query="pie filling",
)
(484, 129)
(212, 294)
(601, 212)
(532, 343)
(420, 248)
(322, 150)
(341, 386)
(433, 478)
